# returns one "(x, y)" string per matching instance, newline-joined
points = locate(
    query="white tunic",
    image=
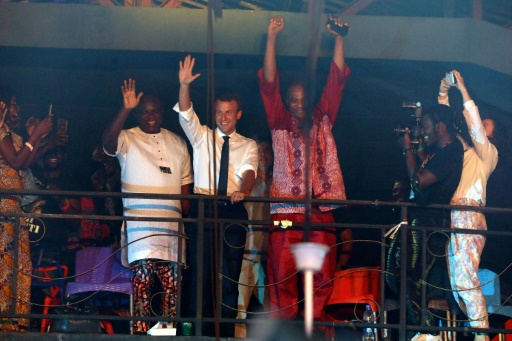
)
(152, 163)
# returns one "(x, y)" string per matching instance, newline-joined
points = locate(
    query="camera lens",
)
(401, 130)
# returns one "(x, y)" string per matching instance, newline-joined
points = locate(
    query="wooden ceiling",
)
(498, 12)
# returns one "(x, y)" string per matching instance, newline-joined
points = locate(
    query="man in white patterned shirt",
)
(153, 160)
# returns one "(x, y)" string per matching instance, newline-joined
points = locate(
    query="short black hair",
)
(230, 96)
(442, 113)
(148, 98)
(295, 82)
(58, 149)
(454, 122)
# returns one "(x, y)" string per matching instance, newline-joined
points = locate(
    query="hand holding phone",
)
(341, 30)
(451, 78)
(62, 125)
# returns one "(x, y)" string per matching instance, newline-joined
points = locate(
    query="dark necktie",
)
(222, 188)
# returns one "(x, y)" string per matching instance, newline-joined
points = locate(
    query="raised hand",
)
(337, 22)
(130, 99)
(460, 81)
(43, 128)
(186, 68)
(31, 124)
(275, 26)
(444, 87)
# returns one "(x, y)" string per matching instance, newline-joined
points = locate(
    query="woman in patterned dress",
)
(15, 156)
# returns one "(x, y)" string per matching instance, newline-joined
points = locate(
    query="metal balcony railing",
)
(400, 328)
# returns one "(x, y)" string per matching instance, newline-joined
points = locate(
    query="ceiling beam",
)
(171, 4)
(195, 4)
(250, 6)
(107, 3)
(241, 32)
(356, 7)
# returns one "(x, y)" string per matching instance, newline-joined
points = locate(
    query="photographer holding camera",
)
(433, 181)
(465, 250)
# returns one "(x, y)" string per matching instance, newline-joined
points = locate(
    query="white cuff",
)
(187, 114)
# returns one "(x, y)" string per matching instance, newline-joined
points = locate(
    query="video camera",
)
(414, 130)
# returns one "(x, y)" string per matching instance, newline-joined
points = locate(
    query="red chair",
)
(355, 287)
(52, 277)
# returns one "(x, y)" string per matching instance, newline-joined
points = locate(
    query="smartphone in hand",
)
(341, 30)
(62, 125)
(451, 78)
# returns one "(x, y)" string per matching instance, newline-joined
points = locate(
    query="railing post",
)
(383, 268)
(219, 257)
(403, 274)
(424, 241)
(15, 269)
(199, 270)
(181, 242)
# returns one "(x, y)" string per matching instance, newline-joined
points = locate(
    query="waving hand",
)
(130, 99)
(186, 67)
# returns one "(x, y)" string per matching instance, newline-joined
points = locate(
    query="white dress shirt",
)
(243, 154)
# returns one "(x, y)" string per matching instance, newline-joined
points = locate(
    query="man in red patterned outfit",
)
(289, 181)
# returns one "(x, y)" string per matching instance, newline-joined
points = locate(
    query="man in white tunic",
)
(152, 160)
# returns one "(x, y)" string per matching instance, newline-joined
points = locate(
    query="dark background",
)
(84, 87)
